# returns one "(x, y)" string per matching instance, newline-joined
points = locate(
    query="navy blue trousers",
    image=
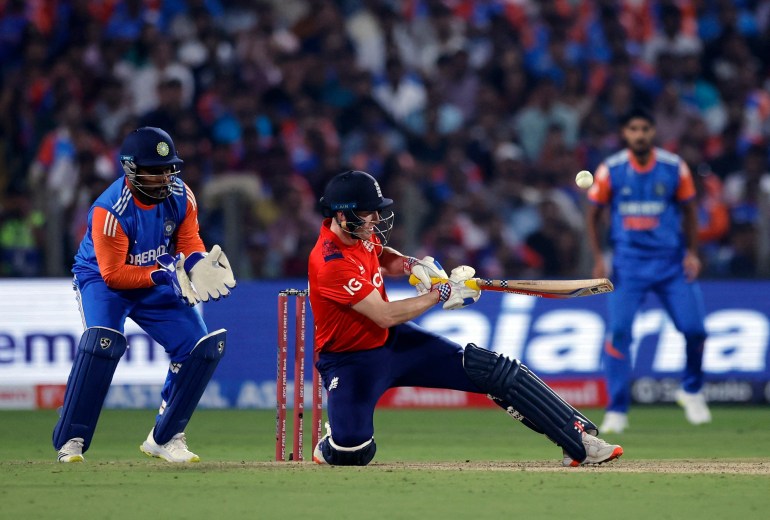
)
(355, 381)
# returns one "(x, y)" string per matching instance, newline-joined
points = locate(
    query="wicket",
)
(300, 301)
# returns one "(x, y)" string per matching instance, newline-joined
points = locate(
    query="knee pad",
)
(97, 357)
(335, 455)
(191, 381)
(517, 388)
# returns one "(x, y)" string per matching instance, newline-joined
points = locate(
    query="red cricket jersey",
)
(339, 277)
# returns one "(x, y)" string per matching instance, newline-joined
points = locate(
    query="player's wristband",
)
(409, 261)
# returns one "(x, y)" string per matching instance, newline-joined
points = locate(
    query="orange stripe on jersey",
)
(686, 189)
(188, 236)
(111, 248)
(600, 190)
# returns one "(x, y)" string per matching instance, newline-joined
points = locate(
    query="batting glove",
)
(454, 293)
(171, 272)
(424, 270)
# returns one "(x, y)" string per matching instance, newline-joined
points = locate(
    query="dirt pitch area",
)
(742, 467)
(617, 466)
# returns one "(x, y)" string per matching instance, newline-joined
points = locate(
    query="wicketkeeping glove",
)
(210, 273)
(424, 270)
(171, 272)
(453, 292)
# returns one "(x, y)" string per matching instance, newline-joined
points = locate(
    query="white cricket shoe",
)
(614, 422)
(174, 450)
(318, 457)
(72, 451)
(695, 408)
(598, 451)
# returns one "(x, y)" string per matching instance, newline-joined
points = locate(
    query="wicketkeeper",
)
(367, 344)
(142, 257)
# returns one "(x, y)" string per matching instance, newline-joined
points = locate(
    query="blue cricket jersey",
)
(150, 231)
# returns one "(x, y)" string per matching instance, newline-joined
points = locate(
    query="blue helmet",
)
(146, 153)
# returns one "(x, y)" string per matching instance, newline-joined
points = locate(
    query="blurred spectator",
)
(21, 236)
(699, 93)
(543, 110)
(673, 118)
(555, 243)
(458, 84)
(747, 193)
(143, 79)
(398, 92)
(713, 212)
(111, 109)
(672, 36)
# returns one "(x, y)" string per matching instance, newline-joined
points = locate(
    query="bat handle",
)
(472, 283)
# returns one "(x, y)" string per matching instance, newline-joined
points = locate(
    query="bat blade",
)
(538, 288)
(547, 288)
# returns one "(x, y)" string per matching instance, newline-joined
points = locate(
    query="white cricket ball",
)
(584, 179)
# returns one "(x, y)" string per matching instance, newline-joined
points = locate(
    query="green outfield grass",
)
(473, 464)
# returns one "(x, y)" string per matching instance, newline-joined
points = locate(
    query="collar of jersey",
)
(638, 167)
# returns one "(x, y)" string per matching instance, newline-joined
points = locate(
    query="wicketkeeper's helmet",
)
(356, 191)
(150, 151)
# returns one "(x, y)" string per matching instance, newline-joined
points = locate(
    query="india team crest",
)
(162, 149)
(168, 228)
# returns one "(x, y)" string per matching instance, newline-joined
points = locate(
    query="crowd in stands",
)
(474, 116)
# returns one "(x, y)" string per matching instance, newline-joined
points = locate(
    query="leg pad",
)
(517, 388)
(191, 381)
(97, 357)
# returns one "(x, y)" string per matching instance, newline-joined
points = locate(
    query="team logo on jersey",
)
(660, 189)
(168, 228)
(331, 251)
(162, 149)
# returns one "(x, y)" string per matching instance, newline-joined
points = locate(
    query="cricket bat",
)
(539, 288)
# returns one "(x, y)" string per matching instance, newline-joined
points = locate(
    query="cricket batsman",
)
(142, 258)
(367, 344)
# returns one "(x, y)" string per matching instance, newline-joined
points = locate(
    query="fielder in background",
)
(367, 344)
(142, 257)
(650, 196)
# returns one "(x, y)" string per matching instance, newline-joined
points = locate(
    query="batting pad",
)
(515, 386)
(98, 355)
(191, 381)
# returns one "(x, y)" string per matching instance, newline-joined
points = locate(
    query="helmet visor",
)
(364, 224)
